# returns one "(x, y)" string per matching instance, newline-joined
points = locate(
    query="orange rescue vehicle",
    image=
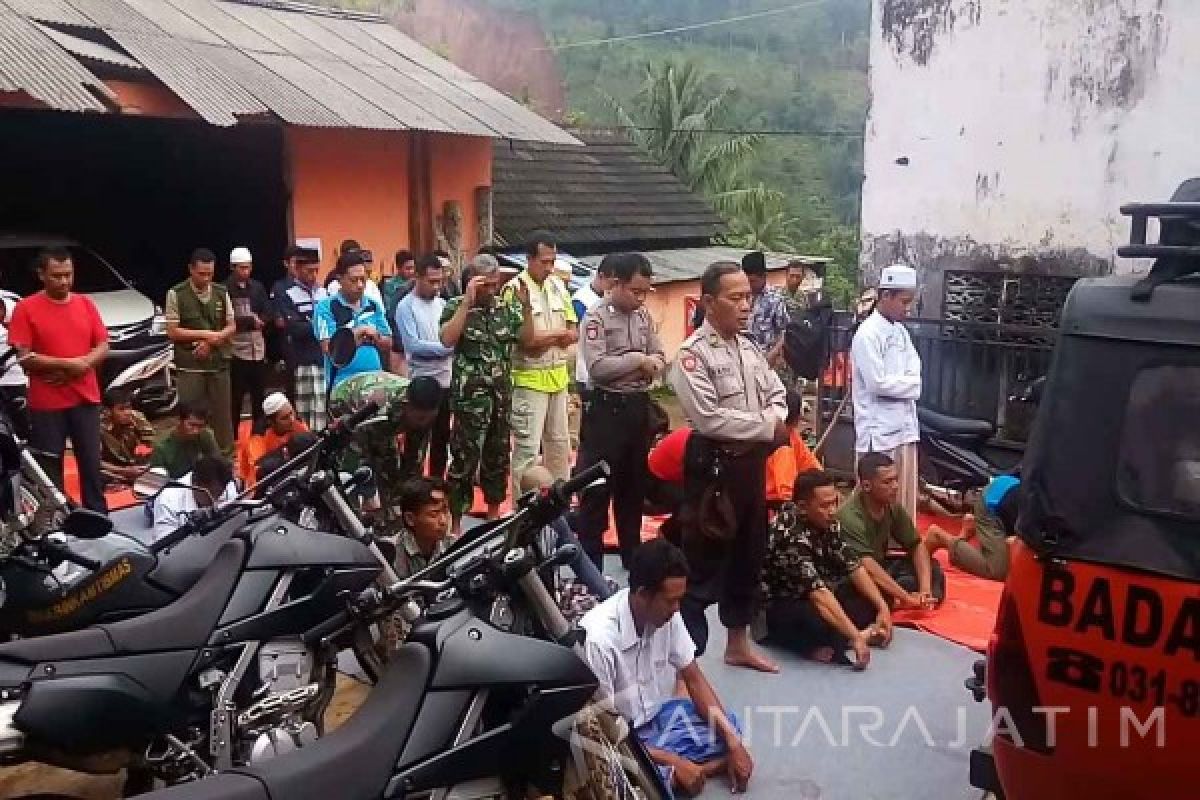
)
(1093, 668)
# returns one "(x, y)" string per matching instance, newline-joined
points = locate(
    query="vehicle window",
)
(18, 274)
(1159, 462)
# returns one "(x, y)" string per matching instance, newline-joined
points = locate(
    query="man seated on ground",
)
(820, 601)
(871, 518)
(190, 439)
(123, 433)
(993, 525)
(282, 425)
(425, 514)
(574, 604)
(793, 459)
(209, 482)
(639, 649)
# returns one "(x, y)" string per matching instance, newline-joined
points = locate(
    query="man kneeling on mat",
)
(640, 651)
(820, 599)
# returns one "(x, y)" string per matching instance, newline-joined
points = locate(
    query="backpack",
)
(806, 341)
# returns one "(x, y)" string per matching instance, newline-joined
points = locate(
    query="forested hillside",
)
(803, 70)
(799, 73)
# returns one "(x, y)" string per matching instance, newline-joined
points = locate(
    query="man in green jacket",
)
(200, 321)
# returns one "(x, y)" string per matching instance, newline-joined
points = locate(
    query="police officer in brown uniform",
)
(736, 406)
(623, 356)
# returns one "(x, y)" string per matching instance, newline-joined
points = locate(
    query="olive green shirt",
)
(177, 456)
(868, 536)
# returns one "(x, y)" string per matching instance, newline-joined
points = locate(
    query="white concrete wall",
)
(1026, 124)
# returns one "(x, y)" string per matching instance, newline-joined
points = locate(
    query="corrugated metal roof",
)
(689, 263)
(58, 12)
(309, 66)
(89, 50)
(32, 62)
(292, 105)
(186, 72)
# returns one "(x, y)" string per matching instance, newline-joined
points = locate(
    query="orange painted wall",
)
(460, 165)
(669, 308)
(352, 184)
(150, 99)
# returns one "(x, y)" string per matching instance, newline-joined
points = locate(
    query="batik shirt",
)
(802, 559)
(120, 445)
(769, 317)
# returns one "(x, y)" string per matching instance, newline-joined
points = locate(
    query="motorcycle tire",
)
(612, 770)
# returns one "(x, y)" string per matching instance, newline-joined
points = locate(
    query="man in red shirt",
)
(60, 340)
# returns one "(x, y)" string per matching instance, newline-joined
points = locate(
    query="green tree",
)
(672, 117)
(760, 219)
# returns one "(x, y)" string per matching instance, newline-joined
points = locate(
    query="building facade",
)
(1004, 135)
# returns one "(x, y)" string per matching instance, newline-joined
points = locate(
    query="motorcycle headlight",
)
(158, 326)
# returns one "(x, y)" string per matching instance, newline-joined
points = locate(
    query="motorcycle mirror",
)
(84, 524)
(342, 347)
(150, 483)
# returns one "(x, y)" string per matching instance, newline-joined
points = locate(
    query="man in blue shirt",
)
(418, 324)
(350, 308)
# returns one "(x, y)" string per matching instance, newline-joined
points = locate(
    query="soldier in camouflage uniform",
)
(405, 407)
(483, 329)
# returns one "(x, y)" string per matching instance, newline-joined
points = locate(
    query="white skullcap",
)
(898, 276)
(275, 402)
(240, 255)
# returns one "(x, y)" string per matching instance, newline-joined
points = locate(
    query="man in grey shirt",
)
(623, 356)
(418, 324)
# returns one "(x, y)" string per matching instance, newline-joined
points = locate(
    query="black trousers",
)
(247, 378)
(902, 571)
(435, 442)
(796, 624)
(727, 573)
(49, 431)
(614, 429)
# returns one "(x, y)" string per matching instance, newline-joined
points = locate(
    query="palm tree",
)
(760, 219)
(671, 119)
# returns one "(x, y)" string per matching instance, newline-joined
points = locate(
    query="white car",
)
(141, 358)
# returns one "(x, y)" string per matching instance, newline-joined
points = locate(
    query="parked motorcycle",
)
(955, 453)
(35, 503)
(466, 708)
(89, 574)
(220, 677)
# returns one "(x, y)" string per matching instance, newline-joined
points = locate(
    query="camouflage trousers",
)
(480, 443)
(379, 450)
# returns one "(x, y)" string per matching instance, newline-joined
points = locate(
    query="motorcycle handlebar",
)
(349, 422)
(572, 486)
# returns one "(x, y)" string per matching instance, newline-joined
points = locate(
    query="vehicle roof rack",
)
(1178, 247)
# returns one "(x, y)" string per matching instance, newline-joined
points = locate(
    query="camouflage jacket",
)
(801, 559)
(483, 357)
(388, 390)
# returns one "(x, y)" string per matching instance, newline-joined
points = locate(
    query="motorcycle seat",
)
(954, 426)
(186, 623)
(180, 567)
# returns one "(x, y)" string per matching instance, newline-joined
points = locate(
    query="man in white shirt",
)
(211, 480)
(418, 324)
(639, 649)
(887, 381)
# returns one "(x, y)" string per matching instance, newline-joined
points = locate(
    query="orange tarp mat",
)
(969, 611)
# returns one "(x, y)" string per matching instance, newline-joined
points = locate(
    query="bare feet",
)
(750, 658)
(937, 539)
(822, 655)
